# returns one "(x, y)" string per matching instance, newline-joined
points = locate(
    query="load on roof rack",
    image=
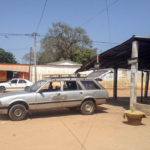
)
(49, 76)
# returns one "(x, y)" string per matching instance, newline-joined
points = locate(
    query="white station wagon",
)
(81, 93)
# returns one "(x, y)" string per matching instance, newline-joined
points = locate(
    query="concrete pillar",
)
(146, 84)
(134, 69)
(115, 83)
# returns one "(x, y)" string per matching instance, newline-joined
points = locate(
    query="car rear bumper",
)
(3, 110)
(100, 101)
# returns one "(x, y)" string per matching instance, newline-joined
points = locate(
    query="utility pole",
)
(30, 76)
(35, 71)
(30, 56)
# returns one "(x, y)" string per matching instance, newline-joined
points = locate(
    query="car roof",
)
(19, 79)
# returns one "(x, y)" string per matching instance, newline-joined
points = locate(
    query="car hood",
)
(13, 94)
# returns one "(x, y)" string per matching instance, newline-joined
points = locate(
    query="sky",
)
(112, 21)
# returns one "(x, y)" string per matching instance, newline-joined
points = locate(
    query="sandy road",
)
(67, 130)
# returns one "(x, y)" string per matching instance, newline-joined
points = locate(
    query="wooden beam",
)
(115, 83)
(134, 68)
(146, 84)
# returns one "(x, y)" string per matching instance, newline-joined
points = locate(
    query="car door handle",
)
(58, 94)
(81, 92)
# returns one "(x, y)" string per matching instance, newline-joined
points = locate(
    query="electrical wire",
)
(97, 14)
(108, 21)
(38, 25)
(6, 35)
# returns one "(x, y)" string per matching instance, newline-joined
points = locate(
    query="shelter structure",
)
(132, 54)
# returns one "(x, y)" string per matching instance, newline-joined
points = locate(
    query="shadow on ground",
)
(62, 112)
(125, 101)
(56, 113)
(120, 101)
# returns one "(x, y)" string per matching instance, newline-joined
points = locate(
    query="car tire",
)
(26, 88)
(17, 112)
(88, 107)
(2, 89)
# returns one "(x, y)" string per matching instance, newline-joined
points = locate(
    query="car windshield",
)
(37, 85)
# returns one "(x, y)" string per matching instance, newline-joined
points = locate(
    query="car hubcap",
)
(18, 112)
(88, 108)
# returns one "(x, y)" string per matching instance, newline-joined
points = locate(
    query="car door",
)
(73, 94)
(22, 83)
(49, 96)
(13, 84)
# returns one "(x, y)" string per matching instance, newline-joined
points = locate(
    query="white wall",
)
(50, 70)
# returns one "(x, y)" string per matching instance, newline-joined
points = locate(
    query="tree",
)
(65, 43)
(7, 57)
(84, 55)
(29, 58)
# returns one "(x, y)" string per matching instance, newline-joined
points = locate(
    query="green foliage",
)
(65, 43)
(29, 58)
(7, 57)
(84, 55)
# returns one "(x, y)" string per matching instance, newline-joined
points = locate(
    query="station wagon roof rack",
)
(58, 76)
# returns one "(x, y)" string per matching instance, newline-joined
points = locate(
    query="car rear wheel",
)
(88, 107)
(2, 89)
(17, 112)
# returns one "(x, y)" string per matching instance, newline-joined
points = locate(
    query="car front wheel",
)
(2, 89)
(17, 112)
(88, 107)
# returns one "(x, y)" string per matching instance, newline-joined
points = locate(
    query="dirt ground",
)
(67, 130)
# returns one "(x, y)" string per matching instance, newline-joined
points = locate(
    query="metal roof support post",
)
(115, 83)
(142, 75)
(146, 85)
(134, 69)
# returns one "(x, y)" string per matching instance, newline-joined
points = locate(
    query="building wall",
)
(51, 70)
(124, 77)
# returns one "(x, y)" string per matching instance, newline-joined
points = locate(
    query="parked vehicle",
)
(83, 93)
(16, 83)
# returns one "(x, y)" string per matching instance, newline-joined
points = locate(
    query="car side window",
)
(22, 81)
(90, 85)
(13, 81)
(71, 86)
(52, 87)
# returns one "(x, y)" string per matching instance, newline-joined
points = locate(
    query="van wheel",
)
(17, 112)
(88, 107)
(2, 89)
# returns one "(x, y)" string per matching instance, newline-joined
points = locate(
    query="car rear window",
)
(90, 85)
(22, 81)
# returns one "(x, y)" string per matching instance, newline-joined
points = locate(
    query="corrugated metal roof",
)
(118, 56)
